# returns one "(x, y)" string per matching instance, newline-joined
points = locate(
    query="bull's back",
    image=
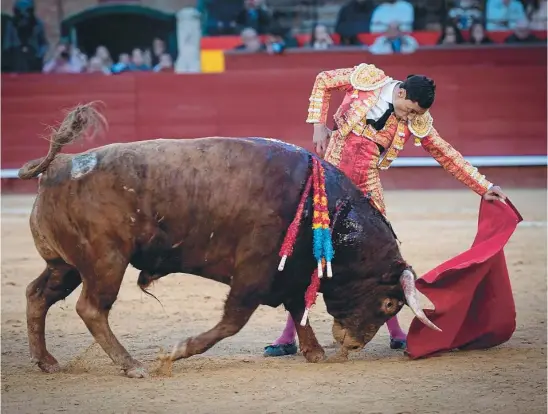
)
(203, 195)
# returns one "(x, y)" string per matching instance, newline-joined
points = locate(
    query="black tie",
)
(379, 124)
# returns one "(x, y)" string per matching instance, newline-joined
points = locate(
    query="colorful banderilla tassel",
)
(328, 252)
(322, 243)
(310, 295)
(291, 235)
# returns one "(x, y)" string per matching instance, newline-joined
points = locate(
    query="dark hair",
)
(459, 39)
(420, 89)
(485, 38)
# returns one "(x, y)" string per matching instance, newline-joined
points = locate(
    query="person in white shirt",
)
(399, 11)
(393, 41)
(504, 14)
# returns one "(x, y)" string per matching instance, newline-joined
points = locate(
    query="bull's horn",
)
(408, 283)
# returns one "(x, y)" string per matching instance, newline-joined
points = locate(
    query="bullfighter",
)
(377, 117)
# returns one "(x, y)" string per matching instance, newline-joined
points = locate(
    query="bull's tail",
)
(79, 121)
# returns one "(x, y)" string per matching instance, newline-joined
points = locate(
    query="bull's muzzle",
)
(409, 289)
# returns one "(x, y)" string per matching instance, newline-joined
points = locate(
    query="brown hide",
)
(214, 207)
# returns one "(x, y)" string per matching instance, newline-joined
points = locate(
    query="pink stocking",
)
(394, 328)
(288, 334)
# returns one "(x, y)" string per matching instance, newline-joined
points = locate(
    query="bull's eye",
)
(389, 305)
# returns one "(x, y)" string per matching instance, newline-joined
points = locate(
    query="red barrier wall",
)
(481, 108)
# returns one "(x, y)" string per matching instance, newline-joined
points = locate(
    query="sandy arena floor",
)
(234, 377)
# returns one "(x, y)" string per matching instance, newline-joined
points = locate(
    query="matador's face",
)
(405, 109)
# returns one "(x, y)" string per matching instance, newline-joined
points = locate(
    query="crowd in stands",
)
(68, 59)
(394, 21)
(260, 30)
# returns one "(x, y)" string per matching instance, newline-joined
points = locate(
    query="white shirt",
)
(401, 12)
(385, 98)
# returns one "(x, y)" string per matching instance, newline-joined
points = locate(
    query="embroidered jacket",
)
(362, 85)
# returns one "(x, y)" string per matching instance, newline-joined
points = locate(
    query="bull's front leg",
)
(239, 307)
(308, 343)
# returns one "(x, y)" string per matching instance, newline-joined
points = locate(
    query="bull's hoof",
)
(314, 355)
(181, 350)
(137, 372)
(48, 364)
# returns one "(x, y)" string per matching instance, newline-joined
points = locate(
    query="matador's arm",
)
(338, 79)
(448, 157)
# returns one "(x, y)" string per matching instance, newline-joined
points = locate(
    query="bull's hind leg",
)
(102, 282)
(55, 283)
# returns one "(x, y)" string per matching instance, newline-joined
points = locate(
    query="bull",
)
(213, 207)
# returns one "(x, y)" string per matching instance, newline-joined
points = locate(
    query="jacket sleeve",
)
(338, 79)
(453, 162)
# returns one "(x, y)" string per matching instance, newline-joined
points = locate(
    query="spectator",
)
(103, 55)
(24, 40)
(398, 11)
(394, 41)
(65, 60)
(320, 39)
(122, 65)
(221, 17)
(536, 11)
(158, 50)
(165, 63)
(254, 15)
(353, 18)
(138, 61)
(464, 13)
(450, 35)
(522, 34)
(250, 41)
(503, 14)
(97, 65)
(478, 35)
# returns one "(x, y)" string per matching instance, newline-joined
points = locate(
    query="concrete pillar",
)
(189, 34)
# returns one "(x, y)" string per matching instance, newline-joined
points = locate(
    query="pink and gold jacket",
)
(362, 85)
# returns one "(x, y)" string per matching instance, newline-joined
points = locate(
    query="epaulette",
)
(368, 77)
(421, 125)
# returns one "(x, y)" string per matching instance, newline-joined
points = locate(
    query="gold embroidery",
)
(326, 82)
(452, 161)
(397, 145)
(421, 125)
(368, 78)
(334, 148)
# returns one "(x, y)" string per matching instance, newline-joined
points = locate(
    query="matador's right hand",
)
(321, 138)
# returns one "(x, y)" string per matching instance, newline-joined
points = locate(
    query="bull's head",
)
(371, 281)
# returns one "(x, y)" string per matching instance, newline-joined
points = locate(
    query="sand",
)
(234, 377)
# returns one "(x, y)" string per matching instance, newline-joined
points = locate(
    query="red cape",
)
(471, 293)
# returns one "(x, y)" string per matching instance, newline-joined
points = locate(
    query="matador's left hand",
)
(495, 193)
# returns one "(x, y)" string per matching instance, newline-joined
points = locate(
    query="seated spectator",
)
(353, 18)
(138, 61)
(122, 65)
(65, 60)
(503, 14)
(399, 11)
(221, 17)
(104, 56)
(158, 49)
(254, 15)
(320, 39)
(394, 41)
(478, 36)
(450, 35)
(165, 64)
(536, 11)
(522, 34)
(250, 41)
(464, 13)
(96, 65)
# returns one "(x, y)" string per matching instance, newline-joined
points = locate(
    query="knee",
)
(92, 307)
